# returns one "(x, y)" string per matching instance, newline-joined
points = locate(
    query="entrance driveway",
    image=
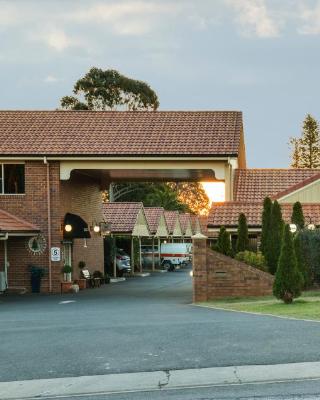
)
(142, 324)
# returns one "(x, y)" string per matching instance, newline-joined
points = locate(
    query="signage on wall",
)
(55, 254)
(37, 244)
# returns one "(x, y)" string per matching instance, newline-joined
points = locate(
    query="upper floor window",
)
(11, 178)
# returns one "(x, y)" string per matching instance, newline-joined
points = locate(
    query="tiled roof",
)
(227, 214)
(297, 186)
(194, 220)
(153, 215)
(255, 184)
(120, 133)
(12, 224)
(184, 220)
(171, 218)
(122, 216)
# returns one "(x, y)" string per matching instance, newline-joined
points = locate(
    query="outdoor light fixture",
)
(68, 228)
(293, 228)
(311, 227)
(96, 228)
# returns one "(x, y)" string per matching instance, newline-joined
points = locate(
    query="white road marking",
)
(67, 301)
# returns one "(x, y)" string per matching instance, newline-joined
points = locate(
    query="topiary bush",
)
(242, 237)
(223, 244)
(310, 254)
(288, 281)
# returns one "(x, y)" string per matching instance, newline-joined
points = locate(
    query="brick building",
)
(54, 165)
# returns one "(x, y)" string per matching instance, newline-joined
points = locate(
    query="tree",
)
(266, 220)
(273, 249)
(242, 238)
(296, 153)
(301, 264)
(110, 90)
(297, 217)
(224, 243)
(193, 195)
(306, 150)
(288, 279)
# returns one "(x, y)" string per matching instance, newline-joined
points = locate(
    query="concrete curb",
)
(157, 380)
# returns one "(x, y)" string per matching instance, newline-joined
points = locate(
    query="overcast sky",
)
(258, 56)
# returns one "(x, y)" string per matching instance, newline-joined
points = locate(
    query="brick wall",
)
(216, 275)
(79, 195)
(32, 206)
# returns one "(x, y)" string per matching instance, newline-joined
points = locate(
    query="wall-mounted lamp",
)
(96, 228)
(293, 228)
(68, 228)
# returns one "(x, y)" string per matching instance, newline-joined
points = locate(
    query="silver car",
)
(123, 262)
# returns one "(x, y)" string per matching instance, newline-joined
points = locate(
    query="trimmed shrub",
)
(242, 238)
(297, 215)
(266, 219)
(273, 248)
(288, 279)
(223, 244)
(254, 259)
(310, 250)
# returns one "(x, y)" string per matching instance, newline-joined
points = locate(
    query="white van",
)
(175, 254)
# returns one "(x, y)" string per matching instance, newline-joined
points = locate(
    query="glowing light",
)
(215, 191)
(96, 228)
(68, 228)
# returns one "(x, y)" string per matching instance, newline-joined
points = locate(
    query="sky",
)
(261, 57)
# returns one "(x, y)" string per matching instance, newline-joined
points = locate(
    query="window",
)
(11, 178)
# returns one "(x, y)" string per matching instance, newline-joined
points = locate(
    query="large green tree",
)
(288, 279)
(273, 249)
(109, 90)
(243, 237)
(297, 217)
(266, 220)
(306, 149)
(223, 244)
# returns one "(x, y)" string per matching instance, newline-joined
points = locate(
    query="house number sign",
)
(55, 254)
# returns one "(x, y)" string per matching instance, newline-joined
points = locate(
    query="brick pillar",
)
(199, 266)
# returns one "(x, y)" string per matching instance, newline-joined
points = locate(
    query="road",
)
(143, 324)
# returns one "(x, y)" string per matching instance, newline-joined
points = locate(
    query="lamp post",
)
(310, 226)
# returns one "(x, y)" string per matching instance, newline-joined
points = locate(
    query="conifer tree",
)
(265, 231)
(273, 249)
(297, 217)
(310, 144)
(243, 237)
(296, 153)
(301, 264)
(288, 280)
(224, 242)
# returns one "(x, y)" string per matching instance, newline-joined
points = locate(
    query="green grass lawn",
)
(305, 307)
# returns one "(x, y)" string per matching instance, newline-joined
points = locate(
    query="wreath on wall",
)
(36, 245)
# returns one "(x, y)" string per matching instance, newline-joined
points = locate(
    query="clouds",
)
(254, 19)
(310, 16)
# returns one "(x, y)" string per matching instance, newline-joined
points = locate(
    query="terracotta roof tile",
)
(120, 132)
(255, 184)
(171, 218)
(122, 216)
(227, 214)
(153, 215)
(12, 224)
(184, 219)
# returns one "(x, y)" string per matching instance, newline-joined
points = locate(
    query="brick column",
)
(199, 266)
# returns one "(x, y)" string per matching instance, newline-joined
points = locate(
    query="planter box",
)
(82, 283)
(66, 287)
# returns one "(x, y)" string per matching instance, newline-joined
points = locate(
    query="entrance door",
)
(67, 254)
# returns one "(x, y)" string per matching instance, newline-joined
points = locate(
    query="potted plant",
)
(81, 281)
(67, 270)
(36, 274)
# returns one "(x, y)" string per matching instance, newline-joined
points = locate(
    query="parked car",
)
(123, 262)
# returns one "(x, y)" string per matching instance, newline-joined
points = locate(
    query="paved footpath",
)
(141, 325)
(153, 382)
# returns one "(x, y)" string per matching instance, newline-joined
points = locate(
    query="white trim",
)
(116, 158)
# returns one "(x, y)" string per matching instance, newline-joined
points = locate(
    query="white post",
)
(114, 257)
(132, 256)
(140, 259)
(153, 263)
(6, 262)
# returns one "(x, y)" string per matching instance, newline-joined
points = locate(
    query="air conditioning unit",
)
(3, 281)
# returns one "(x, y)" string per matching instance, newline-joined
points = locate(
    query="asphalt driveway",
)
(142, 324)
